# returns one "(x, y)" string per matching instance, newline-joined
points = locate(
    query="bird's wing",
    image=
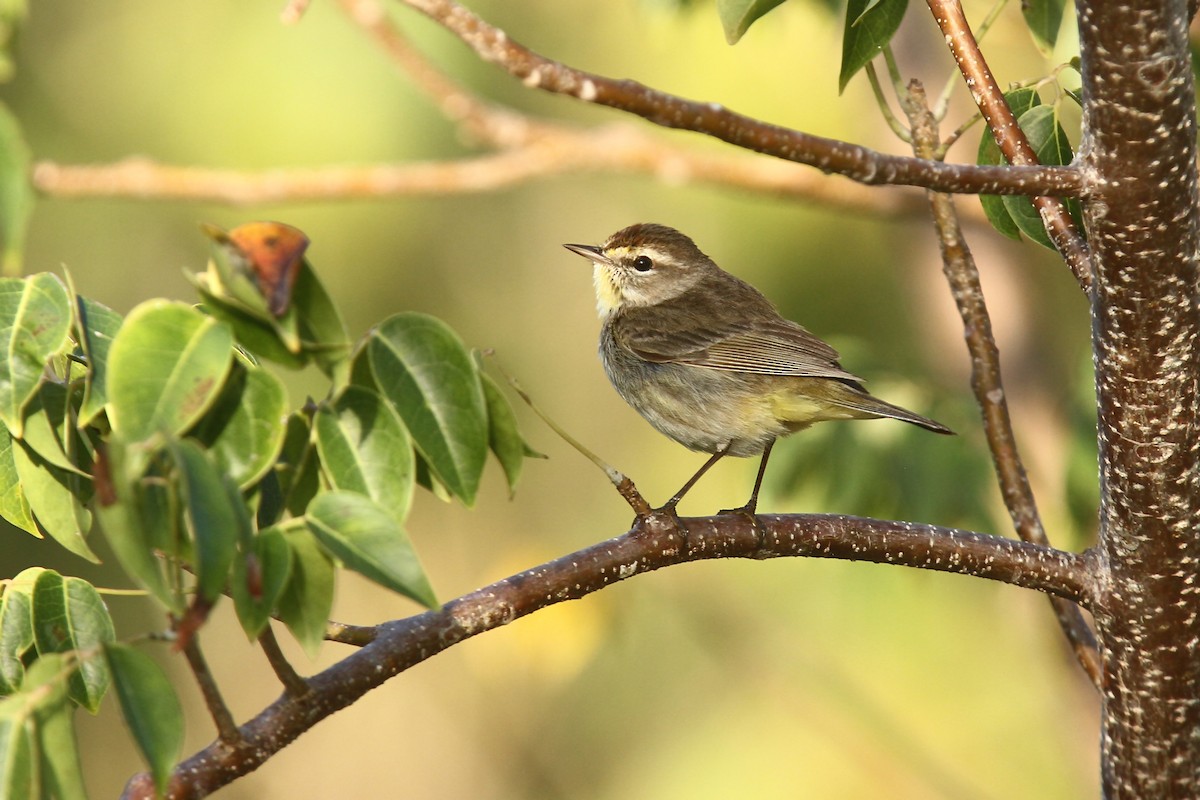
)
(772, 346)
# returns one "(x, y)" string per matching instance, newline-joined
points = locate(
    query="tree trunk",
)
(1139, 144)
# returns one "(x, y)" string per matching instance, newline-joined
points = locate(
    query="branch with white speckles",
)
(657, 541)
(829, 155)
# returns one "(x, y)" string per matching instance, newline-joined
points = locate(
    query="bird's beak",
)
(589, 251)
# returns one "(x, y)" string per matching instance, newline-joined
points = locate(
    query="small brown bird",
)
(707, 359)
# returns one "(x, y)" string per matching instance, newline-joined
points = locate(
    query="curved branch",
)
(1007, 133)
(657, 541)
(829, 155)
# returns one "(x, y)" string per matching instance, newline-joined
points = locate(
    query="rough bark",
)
(1139, 147)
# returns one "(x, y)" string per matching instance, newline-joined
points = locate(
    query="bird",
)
(707, 359)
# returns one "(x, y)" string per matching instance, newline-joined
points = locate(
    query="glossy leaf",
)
(16, 191)
(35, 319)
(165, 369)
(424, 371)
(56, 498)
(504, 440)
(738, 15)
(215, 515)
(60, 768)
(1044, 18)
(260, 576)
(150, 707)
(321, 328)
(260, 336)
(97, 327)
(368, 540)
(16, 630)
(68, 614)
(365, 448)
(14, 506)
(869, 28)
(125, 513)
(18, 752)
(244, 428)
(47, 432)
(308, 598)
(1020, 101)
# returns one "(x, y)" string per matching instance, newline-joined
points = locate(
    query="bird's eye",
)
(642, 263)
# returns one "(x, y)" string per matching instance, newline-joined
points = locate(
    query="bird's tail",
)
(871, 406)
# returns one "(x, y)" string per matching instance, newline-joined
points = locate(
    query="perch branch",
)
(829, 155)
(1007, 133)
(962, 274)
(657, 541)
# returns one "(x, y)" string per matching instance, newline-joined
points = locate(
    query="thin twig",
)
(829, 155)
(963, 276)
(227, 730)
(902, 133)
(1009, 138)
(649, 546)
(293, 684)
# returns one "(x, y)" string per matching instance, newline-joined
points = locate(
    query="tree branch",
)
(963, 276)
(829, 155)
(1007, 133)
(657, 541)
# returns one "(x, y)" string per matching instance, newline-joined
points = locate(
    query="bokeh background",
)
(783, 679)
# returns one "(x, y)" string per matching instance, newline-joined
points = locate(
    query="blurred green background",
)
(784, 679)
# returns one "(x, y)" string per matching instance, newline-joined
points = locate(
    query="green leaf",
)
(260, 337)
(504, 440)
(54, 722)
(97, 327)
(424, 371)
(869, 28)
(125, 509)
(14, 506)
(308, 598)
(1020, 101)
(68, 615)
(1049, 142)
(738, 15)
(16, 191)
(260, 577)
(35, 319)
(365, 448)
(56, 498)
(165, 369)
(150, 707)
(322, 331)
(1044, 18)
(244, 428)
(368, 540)
(18, 752)
(16, 633)
(216, 517)
(47, 432)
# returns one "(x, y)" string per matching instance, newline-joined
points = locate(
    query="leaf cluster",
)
(168, 429)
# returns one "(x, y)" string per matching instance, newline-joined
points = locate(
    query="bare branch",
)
(293, 684)
(228, 734)
(963, 276)
(655, 542)
(1009, 137)
(829, 155)
(608, 150)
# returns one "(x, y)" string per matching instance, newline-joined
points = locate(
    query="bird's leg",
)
(752, 504)
(669, 507)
